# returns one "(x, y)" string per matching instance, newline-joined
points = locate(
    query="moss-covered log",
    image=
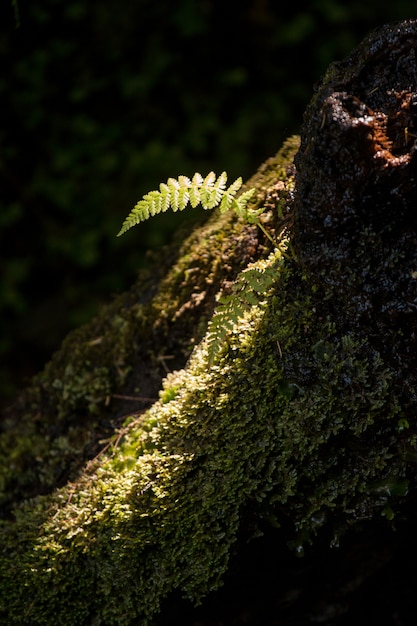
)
(304, 420)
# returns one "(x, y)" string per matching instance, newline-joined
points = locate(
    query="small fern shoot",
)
(176, 194)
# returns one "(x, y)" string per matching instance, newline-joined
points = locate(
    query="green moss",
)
(125, 351)
(293, 422)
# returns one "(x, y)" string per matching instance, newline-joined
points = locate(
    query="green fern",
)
(176, 194)
(252, 285)
(255, 281)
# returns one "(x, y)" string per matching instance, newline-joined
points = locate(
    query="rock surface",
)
(356, 224)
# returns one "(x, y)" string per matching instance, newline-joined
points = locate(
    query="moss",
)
(92, 382)
(293, 423)
(297, 422)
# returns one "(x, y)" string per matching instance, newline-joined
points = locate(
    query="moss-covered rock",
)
(81, 398)
(114, 365)
(297, 422)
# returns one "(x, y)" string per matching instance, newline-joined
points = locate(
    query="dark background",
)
(102, 100)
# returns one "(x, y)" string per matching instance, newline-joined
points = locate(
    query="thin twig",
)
(133, 398)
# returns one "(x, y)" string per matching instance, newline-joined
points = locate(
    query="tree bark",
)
(135, 468)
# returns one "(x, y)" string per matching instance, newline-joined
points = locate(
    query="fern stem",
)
(265, 232)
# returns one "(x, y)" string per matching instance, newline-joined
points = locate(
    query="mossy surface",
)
(114, 365)
(294, 424)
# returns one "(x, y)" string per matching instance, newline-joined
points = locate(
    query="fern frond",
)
(252, 285)
(176, 194)
(153, 199)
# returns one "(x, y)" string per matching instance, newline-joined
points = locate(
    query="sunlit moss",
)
(293, 422)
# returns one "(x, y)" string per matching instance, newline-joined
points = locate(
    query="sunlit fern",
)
(178, 193)
(255, 281)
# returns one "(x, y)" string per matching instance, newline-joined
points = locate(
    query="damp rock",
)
(356, 221)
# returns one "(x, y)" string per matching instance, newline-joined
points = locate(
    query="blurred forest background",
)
(102, 100)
